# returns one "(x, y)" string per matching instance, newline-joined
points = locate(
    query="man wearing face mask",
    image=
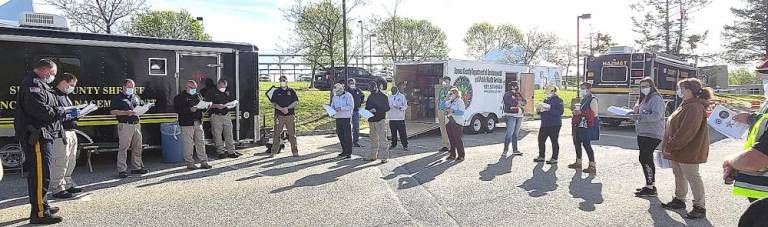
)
(343, 103)
(397, 106)
(359, 97)
(191, 122)
(285, 101)
(37, 123)
(221, 122)
(440, 101)
(128, 129)
(65, 148)
(378, 104)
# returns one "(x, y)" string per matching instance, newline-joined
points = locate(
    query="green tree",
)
(746, 40)
(98, 16)
(483, 37)
(410, 39)
(664, 25)
(742, 76)
(167, 24)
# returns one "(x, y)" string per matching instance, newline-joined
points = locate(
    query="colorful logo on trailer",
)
(465, 86)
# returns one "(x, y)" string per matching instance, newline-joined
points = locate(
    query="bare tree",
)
(535, 45)
(98, 16)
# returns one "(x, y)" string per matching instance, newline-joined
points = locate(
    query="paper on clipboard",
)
(328, 109)
(87, 109)
(270, 91)
(232, 104)
(365, 113)
(203, 105)
(141, 110)
(722, 121)
(619, 111)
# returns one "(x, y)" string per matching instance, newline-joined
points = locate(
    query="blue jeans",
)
(355, 126)
(513, 130)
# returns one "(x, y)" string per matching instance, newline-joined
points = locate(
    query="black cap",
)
(283, 78)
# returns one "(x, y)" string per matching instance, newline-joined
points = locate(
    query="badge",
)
(35, 90)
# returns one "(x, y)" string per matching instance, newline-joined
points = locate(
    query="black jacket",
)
(380, 102)
(64, 101)
(38, 113)
(182, 104)
(358, 96)
(218, 97)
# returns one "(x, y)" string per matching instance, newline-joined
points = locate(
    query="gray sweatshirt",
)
(650, 119)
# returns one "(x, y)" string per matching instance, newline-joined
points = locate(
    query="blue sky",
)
(261, 22)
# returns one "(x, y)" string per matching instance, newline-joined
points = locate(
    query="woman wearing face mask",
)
(686, 145)
(649, 124)
(454, 112)
(585, 128)
(513, 103)
(551, 122)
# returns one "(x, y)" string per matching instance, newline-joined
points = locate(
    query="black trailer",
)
(101, 62)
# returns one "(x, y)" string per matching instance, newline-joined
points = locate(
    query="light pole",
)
(344, 28)
(370, 52)
(578, 51)
(362, 43)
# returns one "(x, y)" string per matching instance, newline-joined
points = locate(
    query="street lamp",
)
(578, 60)
(362, 44)
(370, 51)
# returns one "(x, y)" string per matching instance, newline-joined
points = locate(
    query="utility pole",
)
(362, 44)
(344, 27)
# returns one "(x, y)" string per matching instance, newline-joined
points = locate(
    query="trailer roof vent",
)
(621, 50)
(42, 20)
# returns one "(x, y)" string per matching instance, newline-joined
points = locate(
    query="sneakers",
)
(646, 192)
(192, 167)
(392, 146)
(140, 171)
(123, 174)
(697, 212)
(517, 153)
(552, 161)
(221, 156)
(444, 149)
(591, 170)
(575, 165)
(405, 148)
(53, 210)
(74, 190)
(450, 158)
(233, 155)
(538, 159)
(357, 145)
(63, 195)
(383, 161)
(205, 166)
(47, 220)
(675, 204)
(460, 159)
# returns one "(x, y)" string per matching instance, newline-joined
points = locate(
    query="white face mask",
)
(283, 84)
(70, 89)
(645, 91)
(129, 91)
(550, 94)
(222, 89)
(352, 86)
(50, 79)
(453, 97)
(583, 92)
(680, 93)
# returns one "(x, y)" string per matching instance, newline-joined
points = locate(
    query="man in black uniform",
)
(37, 124)
(359, 97)
(221, 122)
(191, 122)
(284, 100)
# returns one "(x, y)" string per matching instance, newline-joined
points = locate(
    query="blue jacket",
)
(554, 116)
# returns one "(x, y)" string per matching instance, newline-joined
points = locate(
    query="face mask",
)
(550, 94)
(453, 97)
(645, 91)
(70, 90)
(283, 84)
(192, 91)
(680, 93)
(583, 92)
(338, 91)
(352, 86)
(222, 89)
(129, 91)
(50, 79)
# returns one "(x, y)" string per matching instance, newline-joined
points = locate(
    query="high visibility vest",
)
(753, 185)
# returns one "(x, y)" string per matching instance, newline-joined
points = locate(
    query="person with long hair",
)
(586, 127)
(649, 124)
(454, 112)
(513, 104)
(686, 145)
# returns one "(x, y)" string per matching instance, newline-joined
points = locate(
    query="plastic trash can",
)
(171, 143)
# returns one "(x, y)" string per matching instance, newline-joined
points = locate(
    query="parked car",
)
(304, 77)
(324, 80)
(265, 77)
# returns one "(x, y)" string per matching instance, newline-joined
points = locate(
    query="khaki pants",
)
(443, 132)
(686, 174)
(64, 157)
(193, 141)
(378, 139)
(222, 124)
(289, 122)
(130, 137)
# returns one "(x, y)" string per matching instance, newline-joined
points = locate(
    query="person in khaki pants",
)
(65, 148)
(378, 104)
(128, 129)
(442, 96)
(284, 100)
(191, 122)
(221, 122)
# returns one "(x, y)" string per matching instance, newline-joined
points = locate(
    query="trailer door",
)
(198, 67)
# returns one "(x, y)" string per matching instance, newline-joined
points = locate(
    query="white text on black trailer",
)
(616, 79)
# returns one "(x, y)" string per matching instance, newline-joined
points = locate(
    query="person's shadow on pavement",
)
(583, 188)
(541, 182)
(421, 170)
(341, 168)
(501, 167)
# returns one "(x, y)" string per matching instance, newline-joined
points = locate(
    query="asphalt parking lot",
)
(416, 188)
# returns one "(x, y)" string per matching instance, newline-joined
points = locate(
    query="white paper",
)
(365, 113)
(619, 111)
(328, 109)
(203, 105)
(270, 91)
(232, 104)
(141, 110)
(87, 109)
(661, 162)
(722, 121)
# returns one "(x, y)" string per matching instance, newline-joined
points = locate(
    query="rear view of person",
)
(686, 145)
(513, 104)
(551, 122)
(649, 124)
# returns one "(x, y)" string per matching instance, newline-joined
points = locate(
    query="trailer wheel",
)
(11, 156)
(476, 125)
(490, 123)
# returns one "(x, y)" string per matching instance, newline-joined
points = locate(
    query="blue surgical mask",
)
(130, 91)
(70, 90)
(50, 79)
(193, 91)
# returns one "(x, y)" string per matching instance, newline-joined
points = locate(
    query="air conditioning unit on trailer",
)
(43, 20)
(621, 50)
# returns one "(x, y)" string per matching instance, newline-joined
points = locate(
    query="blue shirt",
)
(344, 102)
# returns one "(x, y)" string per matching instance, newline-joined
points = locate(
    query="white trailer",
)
(482, 85)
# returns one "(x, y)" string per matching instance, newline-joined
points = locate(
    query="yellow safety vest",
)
(753, 185)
